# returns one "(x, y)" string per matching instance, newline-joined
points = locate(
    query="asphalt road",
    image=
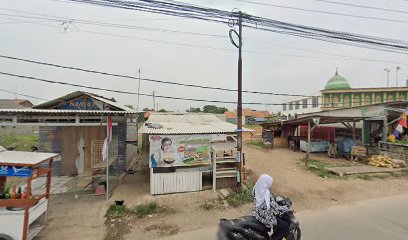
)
(378, 219)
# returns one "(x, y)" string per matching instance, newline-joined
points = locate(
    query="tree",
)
(129, 106)
(214, 109)
(194, 109)
(162, 110)
(147, 109)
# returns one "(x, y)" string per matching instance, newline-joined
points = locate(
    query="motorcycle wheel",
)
(294, 233)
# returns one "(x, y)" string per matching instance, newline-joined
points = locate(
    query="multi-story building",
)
(301, 105)
(339, 94)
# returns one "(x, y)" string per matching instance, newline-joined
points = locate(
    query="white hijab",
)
(261, 190)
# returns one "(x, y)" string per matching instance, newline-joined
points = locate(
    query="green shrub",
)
(115, 211)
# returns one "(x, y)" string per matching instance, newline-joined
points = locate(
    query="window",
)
(336, 101)
(390, 98)
(297, 105)
(315, 102)
(304, 103)
(356, 101)
(290, 106)
(378, 99)
(284, 107)
(367, 100)
(402, 98)
(346, 101)
(327, 102)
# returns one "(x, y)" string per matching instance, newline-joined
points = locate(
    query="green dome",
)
(337, 82)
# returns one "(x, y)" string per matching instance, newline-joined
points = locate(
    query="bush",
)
(115, 211)
(152, 208)
(237, 199)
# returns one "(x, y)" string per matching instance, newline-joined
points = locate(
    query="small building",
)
(16, 104)
(301, 105)
(178, 149)
(75, 125)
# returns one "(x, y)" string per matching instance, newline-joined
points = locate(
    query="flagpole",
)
(107, 160)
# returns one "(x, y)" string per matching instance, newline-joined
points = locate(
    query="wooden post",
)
(27, 209)
(354, 131)
(49, 175)
(385, 128)
(308, 143)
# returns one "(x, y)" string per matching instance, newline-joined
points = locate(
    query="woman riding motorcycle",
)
(266, 209)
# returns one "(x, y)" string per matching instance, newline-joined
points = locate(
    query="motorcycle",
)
(248, 228)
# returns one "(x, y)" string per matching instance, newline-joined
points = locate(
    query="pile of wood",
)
(385, 161)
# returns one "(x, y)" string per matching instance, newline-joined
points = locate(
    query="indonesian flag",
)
(108, 139)
(399, 128)
(403, 121)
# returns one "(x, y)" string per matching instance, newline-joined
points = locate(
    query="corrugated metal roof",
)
(24, 158)
(183, 118)
(64, 111)
(9, 104)
(188, 124)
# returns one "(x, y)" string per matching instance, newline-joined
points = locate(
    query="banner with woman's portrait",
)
(179, 150)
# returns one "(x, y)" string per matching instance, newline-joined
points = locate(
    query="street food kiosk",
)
(24, 217)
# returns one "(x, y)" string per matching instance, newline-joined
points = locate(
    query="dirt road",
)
(84, 218)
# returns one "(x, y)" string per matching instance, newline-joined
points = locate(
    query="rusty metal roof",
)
(62, 111)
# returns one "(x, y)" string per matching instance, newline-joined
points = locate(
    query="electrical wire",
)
(25, 95)
(128, 92)
(179, 9)
(324, 12)
(158, 96)
(144, 79)
(362, 6)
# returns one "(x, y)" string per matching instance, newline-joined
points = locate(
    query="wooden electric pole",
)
(239, 105)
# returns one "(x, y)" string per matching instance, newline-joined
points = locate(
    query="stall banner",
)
(179, 150)
(13, 171)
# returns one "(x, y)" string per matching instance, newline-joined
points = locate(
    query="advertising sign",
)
(179, 150)
(12, 171)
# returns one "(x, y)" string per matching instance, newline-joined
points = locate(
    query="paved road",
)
(378, 219)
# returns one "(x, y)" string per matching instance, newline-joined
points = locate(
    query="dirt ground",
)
(84, 218)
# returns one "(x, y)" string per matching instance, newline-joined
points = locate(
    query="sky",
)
(282, 64)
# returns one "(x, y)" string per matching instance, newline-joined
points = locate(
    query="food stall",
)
(23, 214)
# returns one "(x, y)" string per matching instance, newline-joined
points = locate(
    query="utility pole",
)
(388, 76)
(154, 101)
(138, 93)
(239, 106)
(396, 78)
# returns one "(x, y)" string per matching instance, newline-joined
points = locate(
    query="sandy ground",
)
(84, 218)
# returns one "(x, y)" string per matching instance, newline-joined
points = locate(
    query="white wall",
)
(301, 110)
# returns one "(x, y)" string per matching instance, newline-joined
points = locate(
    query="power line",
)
(104, 24)
(143, 79)
(323, 12)
(127, 92)
(20, 94)
(361, 6)
(179, 9)
(151, 95)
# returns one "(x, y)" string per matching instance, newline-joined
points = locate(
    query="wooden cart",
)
(26, 222)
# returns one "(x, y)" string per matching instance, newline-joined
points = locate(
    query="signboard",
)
(13, 171)
(179, 150)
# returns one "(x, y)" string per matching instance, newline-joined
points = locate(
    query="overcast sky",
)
(280, 70)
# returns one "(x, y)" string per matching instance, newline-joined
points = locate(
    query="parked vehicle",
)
(248, 228)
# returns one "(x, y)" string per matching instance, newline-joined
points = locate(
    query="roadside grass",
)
(215, 204)
(20, 142)
(255, 143)
(140, 211)
(319, 168)
(236, 199)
